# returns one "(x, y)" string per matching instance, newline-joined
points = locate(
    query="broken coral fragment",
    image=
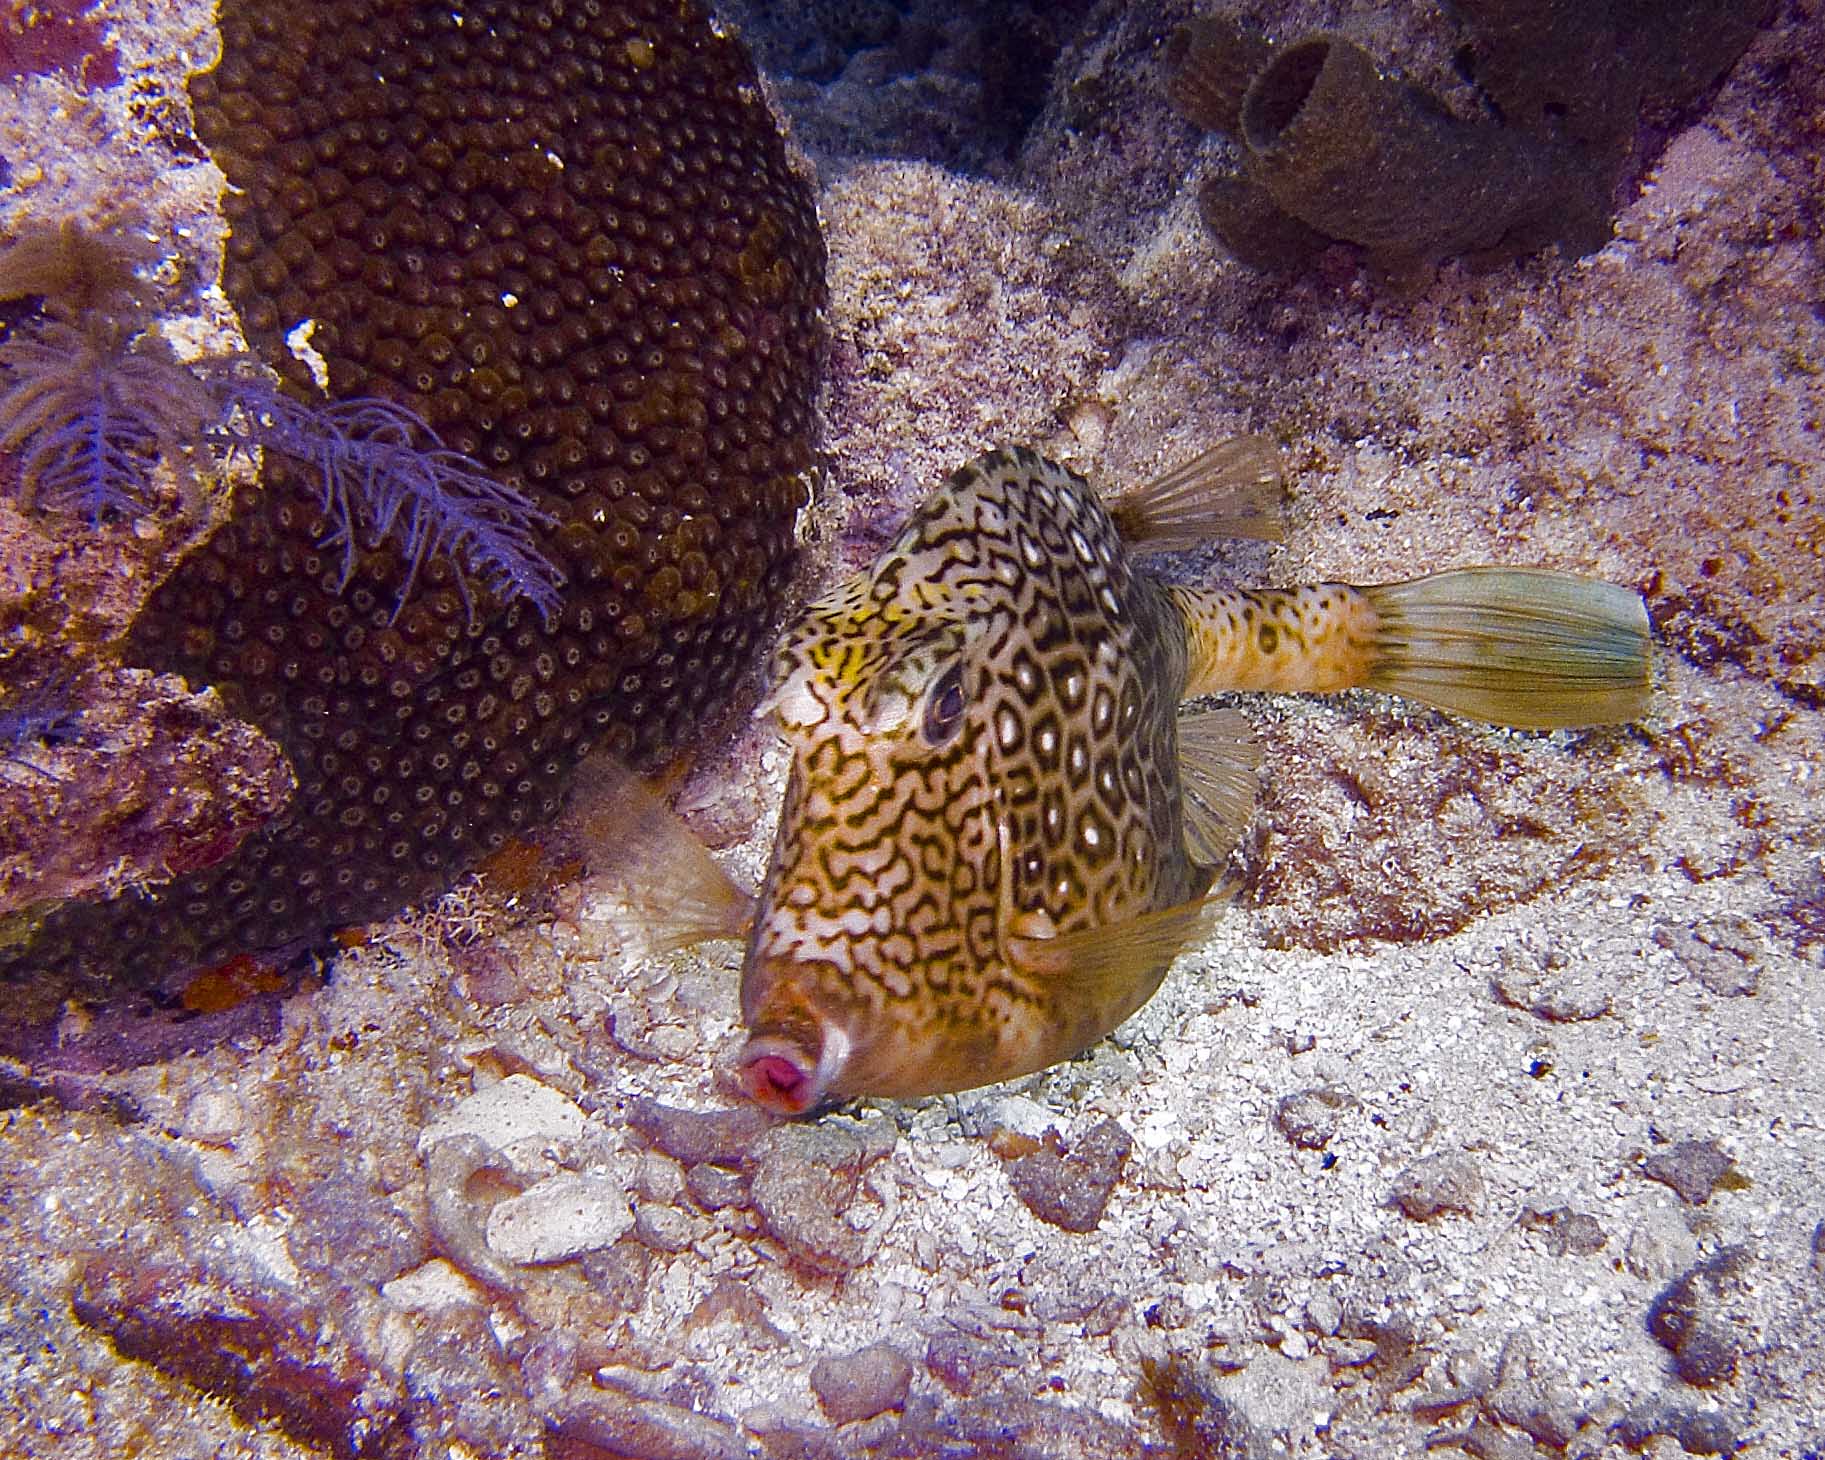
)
(858, 1386)
(807, 1187)
(559, 1218)
(259, 1351)
(502, 1138)
(1446, 1182)
(514, 1110)
(1070, 1188)
(1693, 1169)
(122, 780)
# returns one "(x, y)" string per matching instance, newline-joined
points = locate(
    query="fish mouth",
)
(780, 1074)
(776, 1076)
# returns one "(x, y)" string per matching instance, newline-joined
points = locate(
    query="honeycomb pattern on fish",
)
(998, 830)
(1009, 591)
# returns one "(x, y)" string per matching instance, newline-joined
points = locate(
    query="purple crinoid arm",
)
(382, 472)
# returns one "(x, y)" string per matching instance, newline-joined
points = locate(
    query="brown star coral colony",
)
(567, 235)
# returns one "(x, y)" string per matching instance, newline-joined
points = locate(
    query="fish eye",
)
(944, 708)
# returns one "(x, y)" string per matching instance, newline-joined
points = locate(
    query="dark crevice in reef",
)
(955, 82)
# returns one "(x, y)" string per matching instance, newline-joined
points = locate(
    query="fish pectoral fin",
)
(643, 850)
(1118, 964)
(1232, 490)
(1217, 760)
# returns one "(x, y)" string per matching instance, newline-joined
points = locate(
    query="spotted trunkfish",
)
(998, 828)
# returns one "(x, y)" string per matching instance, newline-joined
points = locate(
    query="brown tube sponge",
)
(1365, 158)
(1550, 66)
(1256, 229)
(1333, 149)
(1578, 70)
(1210, 63)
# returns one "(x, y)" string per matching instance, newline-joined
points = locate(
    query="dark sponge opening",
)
(1274, 101)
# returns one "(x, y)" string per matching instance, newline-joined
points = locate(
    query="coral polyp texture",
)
(566, 237)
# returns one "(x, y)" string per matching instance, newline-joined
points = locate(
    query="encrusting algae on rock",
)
(998, 830)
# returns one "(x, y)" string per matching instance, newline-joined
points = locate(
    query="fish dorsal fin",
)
(1217, 760)
(1232, 490)
(645, 852)
(1118, 964)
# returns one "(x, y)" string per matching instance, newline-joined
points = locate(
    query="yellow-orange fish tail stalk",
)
(1289, 640)
(1515, 646)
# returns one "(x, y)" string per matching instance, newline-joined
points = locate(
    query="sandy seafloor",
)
(1528, 967)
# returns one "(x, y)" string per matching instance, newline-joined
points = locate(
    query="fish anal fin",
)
(1218, 757)
(1232, 490)
(643, 850)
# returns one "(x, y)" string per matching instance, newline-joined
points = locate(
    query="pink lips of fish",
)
(780, 1074)
(795, 1052)
(774, 1077)
(790, 1058)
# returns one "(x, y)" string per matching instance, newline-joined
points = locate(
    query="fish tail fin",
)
(1516, 646)
(678, 893)
(1232, 490)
